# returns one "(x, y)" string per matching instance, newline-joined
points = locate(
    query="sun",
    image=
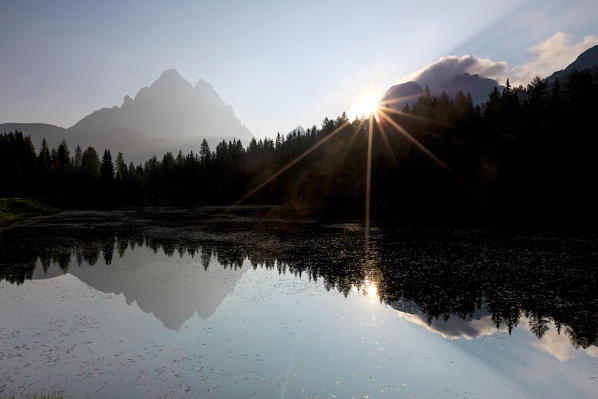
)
(372, 290)
(364, 108)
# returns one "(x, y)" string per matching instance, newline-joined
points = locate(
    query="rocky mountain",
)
(586, 60)
(401, 94)
(169, 115)
(479, 86)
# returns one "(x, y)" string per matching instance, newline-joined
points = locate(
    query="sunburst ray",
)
(354, 136)
(425, 150)
(386, 141)
(412, 116)
(398, 99)
(289, 165)
(368, 175)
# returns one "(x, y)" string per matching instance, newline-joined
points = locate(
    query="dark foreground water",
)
(202, 303)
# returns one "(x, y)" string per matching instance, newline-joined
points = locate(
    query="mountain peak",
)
(170, 74)
(171, 79)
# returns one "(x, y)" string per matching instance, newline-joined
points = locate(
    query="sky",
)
(278, 63)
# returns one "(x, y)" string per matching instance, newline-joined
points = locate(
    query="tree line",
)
(526, 152)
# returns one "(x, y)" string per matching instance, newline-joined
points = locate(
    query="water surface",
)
(202, 303)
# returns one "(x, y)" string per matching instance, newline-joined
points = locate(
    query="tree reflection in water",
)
(548, 278)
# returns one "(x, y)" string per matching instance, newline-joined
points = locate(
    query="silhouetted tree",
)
(90, 163)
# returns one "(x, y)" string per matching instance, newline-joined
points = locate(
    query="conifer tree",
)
(77, 157)
(107, 168)
(90, 162)
(204, 152)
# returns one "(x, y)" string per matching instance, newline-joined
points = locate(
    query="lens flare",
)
(368, 176)
(290, 164)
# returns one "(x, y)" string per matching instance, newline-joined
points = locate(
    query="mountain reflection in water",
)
(458, 283)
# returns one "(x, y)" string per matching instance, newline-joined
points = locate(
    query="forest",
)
(526, 154)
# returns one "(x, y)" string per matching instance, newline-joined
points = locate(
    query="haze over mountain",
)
(169, 115)
(478, 86)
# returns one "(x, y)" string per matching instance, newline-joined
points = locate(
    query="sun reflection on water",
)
(369, 288)
(372, 290)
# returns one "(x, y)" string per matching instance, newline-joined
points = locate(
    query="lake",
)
(262, 303)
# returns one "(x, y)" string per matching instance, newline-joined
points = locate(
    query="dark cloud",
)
(450, 66)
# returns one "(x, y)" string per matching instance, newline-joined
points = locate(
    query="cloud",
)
(455, 327)
(551, 55)
(555, 343)
(558, 344)
(451, 66)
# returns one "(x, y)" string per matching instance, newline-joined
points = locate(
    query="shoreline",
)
(16, 210)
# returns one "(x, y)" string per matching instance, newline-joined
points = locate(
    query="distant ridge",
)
(52, 133)
(479, 87)
(586, 60)
(298, 130)
(169, 115)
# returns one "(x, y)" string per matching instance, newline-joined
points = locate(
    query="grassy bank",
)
(14, 210)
